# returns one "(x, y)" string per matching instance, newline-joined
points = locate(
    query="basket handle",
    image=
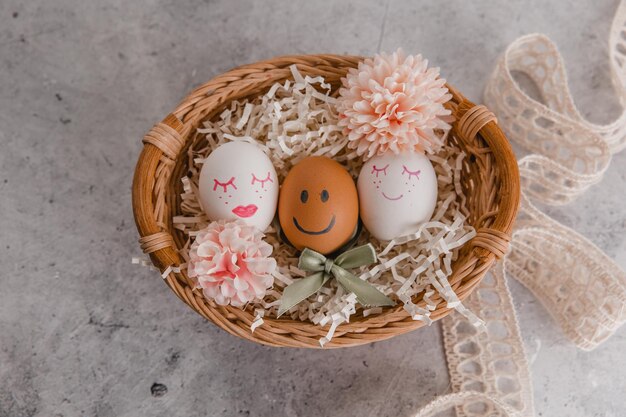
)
(473, 120)
(163, 140)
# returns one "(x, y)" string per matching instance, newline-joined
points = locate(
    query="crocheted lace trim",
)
(583, 289)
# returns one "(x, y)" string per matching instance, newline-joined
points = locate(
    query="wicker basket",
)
(490, 183)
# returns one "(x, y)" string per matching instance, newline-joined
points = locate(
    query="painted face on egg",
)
(318, 206)
(238, 181)
(397, 193)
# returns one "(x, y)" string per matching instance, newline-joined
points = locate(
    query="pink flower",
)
(393, 103)
(231, 262)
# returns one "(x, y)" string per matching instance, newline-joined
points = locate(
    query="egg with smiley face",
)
(397, 193)
(318, 207)
(238, 181)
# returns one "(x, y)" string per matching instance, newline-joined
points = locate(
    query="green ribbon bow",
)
(323, 268)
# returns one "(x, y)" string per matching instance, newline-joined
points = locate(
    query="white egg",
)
(238, 181)
(397, 193)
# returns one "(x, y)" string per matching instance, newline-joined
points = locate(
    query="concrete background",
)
(85, 333)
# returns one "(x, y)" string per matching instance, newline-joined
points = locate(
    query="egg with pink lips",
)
(397, 193)
(238, 181)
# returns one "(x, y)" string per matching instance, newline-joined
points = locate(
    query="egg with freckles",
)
(397, 193)
(238, 181)
(318, 207)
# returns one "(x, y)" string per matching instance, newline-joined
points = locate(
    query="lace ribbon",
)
(581, 287)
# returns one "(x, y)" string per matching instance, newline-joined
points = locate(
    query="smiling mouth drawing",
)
(393, 198)
(245, 211)
(321, 232)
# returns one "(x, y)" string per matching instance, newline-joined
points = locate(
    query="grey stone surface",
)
(85, 333)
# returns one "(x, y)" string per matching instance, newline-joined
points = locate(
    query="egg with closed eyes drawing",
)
(238, 181)
(397, 193)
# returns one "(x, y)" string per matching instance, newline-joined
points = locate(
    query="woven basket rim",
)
(168, 139)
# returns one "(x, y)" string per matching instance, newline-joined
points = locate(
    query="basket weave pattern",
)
(490, 183)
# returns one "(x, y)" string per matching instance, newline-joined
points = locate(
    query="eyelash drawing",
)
(255, 179)
(411, 173)
(377, 170)
(224, 185)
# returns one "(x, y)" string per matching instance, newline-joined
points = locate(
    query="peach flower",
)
(231, 262)
(393, 103)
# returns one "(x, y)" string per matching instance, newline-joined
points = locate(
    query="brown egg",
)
(318, 205)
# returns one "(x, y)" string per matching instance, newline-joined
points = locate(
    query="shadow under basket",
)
(490, 183)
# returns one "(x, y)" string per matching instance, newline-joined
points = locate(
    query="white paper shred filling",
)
(297, 119)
